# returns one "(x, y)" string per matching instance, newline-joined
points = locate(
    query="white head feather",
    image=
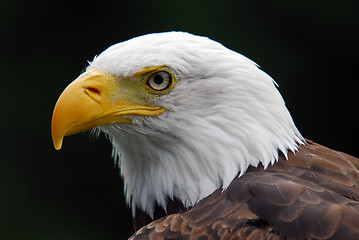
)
(223, 115)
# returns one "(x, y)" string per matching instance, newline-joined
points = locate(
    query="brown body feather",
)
(312, 195)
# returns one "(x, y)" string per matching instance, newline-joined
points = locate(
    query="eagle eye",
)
(160, 81)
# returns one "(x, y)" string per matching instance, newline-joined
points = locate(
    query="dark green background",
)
(310, 48)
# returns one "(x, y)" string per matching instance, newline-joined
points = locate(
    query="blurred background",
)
(309, 47)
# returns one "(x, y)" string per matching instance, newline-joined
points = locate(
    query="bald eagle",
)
(206, 146)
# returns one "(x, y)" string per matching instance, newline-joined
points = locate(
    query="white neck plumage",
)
(192, 156)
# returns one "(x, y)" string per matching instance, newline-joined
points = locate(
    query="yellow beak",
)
(92, 100)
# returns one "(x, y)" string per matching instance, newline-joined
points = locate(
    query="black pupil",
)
(158, 79)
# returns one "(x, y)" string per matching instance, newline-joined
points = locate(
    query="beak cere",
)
(88, 102)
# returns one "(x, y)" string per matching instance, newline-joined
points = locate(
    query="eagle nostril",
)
(93, 90)
(93, 93)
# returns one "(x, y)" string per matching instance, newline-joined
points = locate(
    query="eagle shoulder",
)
(311, 195)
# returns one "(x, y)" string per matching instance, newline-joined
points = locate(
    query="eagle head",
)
(185, 116)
